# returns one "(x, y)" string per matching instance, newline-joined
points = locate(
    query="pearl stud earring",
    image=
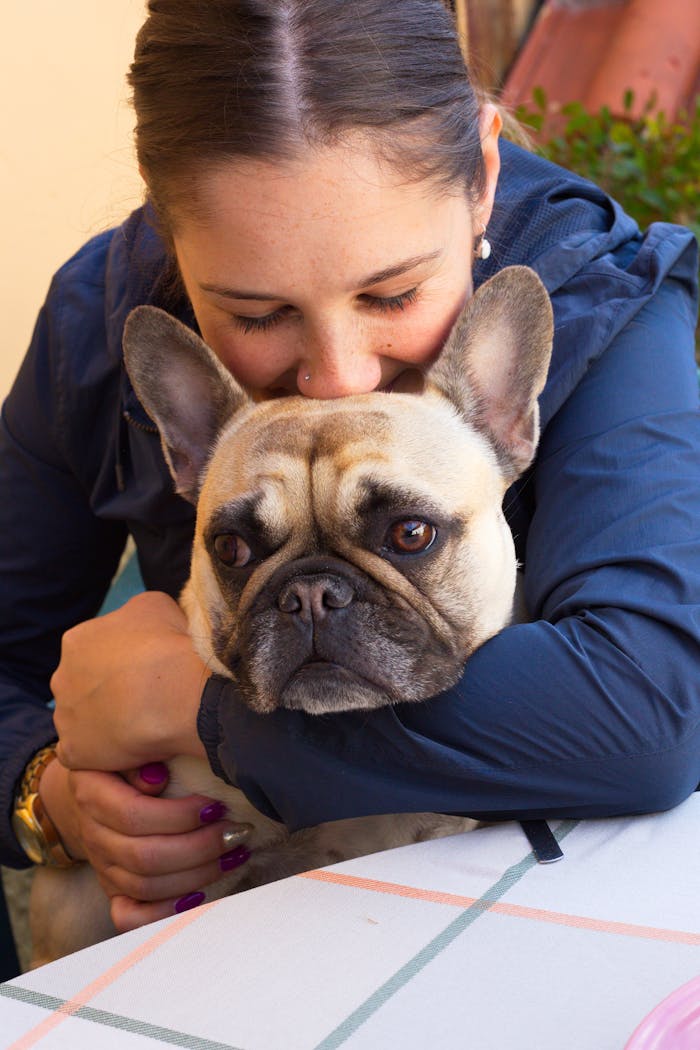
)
(482, 246)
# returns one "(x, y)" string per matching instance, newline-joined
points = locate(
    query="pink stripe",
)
(581, 922)
(71, 1006)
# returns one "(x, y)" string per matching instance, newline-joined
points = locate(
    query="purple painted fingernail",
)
(214, 811)
(154, 772)
(191, 900)
(234, 858)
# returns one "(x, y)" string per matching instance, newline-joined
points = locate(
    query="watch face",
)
(28, 837)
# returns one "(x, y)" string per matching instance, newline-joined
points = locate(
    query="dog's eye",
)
(232, 550)
(410, 537)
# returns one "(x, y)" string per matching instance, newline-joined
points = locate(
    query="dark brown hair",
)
(218, 80)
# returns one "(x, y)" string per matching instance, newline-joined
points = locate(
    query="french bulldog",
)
(348, 554)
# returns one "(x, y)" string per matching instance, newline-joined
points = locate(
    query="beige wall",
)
(67, 168)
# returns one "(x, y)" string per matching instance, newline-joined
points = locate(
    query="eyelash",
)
(388, 303)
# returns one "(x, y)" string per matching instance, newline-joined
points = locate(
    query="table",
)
(465, 943)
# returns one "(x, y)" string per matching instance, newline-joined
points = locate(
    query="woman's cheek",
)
(429, 328)
(255, 360)
(420, 340)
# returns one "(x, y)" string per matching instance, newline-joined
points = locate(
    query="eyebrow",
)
(397, 269)
(371, 279)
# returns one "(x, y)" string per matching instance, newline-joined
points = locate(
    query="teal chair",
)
(125, 585)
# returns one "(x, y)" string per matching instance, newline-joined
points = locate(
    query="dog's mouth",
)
(318, 668)
(321, 686)
(317, 664)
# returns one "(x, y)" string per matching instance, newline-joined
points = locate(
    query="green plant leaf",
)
(539, 98)
(647, 162)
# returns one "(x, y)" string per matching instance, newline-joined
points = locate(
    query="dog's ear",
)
(494, 363)
(185, 389)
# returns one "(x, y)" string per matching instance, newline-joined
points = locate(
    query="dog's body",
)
(348, 554)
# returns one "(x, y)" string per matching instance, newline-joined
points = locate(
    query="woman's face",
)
(328, 276)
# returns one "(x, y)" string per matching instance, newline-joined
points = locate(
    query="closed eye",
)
(386, 303)
(262, 324)
(391, 302)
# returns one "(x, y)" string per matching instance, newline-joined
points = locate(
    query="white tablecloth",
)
(465, 943)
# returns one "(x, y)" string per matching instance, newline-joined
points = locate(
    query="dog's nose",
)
(312, 597)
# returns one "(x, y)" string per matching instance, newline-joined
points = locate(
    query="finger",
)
(147, 604)
(175, 884)
(150, 779)
(158, 855)
(114, 804)
(62, 753)
(129, 914)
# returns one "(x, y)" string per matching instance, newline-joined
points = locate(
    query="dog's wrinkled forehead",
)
(322, 459)
(324, 430)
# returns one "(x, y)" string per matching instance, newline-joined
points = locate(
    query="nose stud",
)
(307, 377)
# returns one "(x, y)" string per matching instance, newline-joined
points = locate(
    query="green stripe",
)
(103, 1017)
(419, 961)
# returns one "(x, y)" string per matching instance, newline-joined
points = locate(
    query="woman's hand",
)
(128, 687)
(152, 856)
(127, 692)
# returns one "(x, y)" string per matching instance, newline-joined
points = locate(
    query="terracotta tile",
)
(593, 52)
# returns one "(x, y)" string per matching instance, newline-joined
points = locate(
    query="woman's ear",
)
(490, 124)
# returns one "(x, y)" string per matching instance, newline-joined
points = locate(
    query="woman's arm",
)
(57, 557)
(56, 562)
(594, 708)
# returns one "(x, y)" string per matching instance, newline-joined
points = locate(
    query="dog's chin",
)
(320, 687)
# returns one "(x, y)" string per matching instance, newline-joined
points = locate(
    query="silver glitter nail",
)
(233, 836)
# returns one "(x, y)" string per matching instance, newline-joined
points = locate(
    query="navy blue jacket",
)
(592, 709)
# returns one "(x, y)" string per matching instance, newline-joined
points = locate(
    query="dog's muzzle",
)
(311, 632)
(321, 635)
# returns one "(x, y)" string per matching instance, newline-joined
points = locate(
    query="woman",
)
(326, 189)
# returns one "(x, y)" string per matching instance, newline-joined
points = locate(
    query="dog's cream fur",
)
(328, 615)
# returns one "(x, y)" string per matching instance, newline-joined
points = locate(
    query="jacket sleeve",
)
(56, 556)
(592, 709)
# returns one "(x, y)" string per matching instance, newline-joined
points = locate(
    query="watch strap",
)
(29, 800)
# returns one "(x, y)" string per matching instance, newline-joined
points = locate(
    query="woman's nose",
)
(336, 364)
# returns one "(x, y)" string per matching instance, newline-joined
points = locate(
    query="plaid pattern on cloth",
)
(465, 942)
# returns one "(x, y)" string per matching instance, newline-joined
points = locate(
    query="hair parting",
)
(229, 80)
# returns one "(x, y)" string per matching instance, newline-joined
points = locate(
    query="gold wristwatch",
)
(31, 823)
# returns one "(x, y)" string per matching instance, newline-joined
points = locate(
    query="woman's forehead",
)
(353, 166)
(336, 207)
